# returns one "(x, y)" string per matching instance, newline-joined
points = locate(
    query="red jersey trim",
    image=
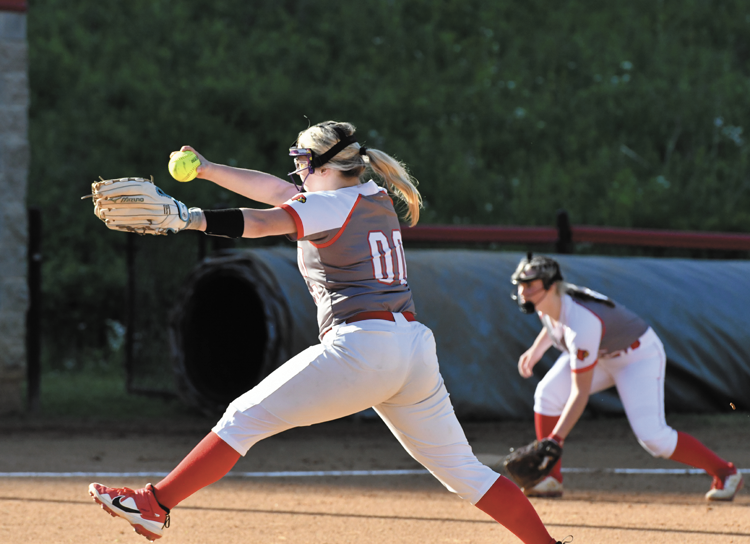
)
(384, 190)
(585, 369)
(604, 329)
(343, 227)
(297, 221)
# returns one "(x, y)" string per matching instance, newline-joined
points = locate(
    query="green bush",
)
(625, 114)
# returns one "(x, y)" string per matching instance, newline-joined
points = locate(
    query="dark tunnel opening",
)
(224, 337)
(243, 313)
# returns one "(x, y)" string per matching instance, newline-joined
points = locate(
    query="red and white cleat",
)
(725, 490)
(139, 507)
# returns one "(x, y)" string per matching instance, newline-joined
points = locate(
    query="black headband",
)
(344, 141)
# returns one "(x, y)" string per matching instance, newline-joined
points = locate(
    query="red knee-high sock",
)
(692, 452)
(209, 461)
(544, 426)
(507, 505)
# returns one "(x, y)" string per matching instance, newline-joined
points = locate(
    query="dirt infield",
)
(598, 507)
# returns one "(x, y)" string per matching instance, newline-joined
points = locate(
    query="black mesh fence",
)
(158, 270)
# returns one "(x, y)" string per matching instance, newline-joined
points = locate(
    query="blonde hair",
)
(393, 173)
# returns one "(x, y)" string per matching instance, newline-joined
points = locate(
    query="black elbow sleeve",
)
(229, 223)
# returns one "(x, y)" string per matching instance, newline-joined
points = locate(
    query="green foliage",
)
(625, 114)
(63, 397)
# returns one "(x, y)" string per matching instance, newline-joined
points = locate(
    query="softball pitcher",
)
(602, 344)
(372, 353)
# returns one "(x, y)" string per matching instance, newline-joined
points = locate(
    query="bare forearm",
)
(532, 355)
(579, 397)
(571, 414)
(242, 222)
(252, 184)
(542, 342)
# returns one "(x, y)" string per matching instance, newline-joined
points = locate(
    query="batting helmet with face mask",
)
(534, 268)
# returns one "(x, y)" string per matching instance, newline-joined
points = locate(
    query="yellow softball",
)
(184, 165)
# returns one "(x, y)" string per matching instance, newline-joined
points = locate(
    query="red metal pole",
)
(13, 5)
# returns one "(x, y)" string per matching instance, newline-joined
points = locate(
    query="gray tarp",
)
(698, 308)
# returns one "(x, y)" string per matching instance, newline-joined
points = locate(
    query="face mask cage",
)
(303, 161)
(525, 307)
(534, 268)
(305, 155)
(537, 268)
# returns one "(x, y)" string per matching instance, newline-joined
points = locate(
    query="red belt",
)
(385, 316)
(631, 347)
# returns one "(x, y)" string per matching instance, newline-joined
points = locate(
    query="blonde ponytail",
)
(397, 181)
(350, 161)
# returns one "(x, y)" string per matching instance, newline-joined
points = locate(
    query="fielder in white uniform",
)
(602, 344)
(373, 352)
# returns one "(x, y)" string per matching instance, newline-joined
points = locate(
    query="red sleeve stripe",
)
(343, 227)
(297, 221)
(585, 369)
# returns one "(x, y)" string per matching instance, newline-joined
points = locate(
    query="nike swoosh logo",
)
(116, 502)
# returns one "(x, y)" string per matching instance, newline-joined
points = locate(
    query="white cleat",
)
(548, 488)
(138, 507)
(726, 490)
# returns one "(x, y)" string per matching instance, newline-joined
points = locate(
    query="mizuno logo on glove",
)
(122, 199)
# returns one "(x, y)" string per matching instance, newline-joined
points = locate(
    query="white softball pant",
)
(390, 366)
(639, 378)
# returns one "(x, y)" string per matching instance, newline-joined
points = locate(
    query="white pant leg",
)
(639, 377)
(553, 391)
(390, 366)
(243, 429)
(355, 367)
(421, 417)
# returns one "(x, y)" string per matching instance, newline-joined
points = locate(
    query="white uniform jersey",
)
(588, 330)
(350, 266)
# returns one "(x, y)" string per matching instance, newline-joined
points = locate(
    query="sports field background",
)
(625, 114)
(598, 506)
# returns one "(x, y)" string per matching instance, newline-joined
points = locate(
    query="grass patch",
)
(101, 396)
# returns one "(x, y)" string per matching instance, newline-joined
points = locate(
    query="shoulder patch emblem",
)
(582, 354)
(300, 198)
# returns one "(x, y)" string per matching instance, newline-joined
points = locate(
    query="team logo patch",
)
(582, 354)
(300, 198)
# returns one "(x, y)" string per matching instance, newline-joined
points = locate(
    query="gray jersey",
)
(350, 252)
(588, 329)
